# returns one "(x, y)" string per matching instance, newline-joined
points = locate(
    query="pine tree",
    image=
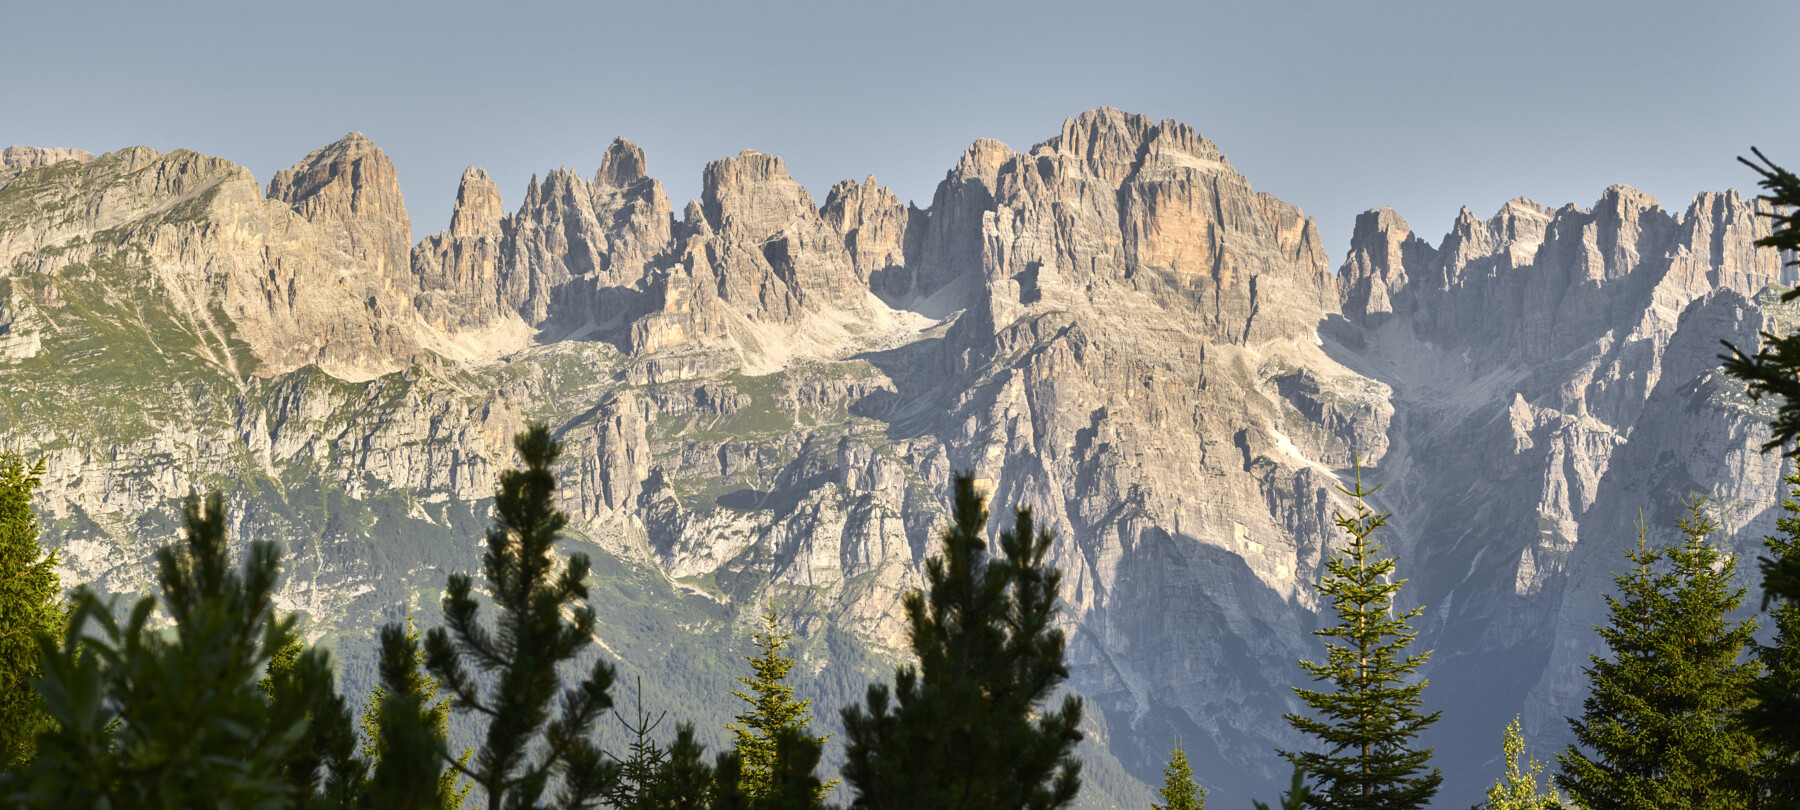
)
(1659, 718)
(1774, 713)
(963, 728)
(436, 708)
(1518, 786)
(176, 718)
(1369, 722)
(30, 604)
(1179, 790)
(521, 653)
(772, 708)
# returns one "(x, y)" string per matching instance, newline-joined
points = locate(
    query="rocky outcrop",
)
(19, 158)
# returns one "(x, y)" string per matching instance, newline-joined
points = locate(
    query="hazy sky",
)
(1334, 106)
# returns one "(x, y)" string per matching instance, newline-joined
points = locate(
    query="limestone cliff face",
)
(764, 396)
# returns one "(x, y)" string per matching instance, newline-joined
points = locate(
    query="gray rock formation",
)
(766, 397)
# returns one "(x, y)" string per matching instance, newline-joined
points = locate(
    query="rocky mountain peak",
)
(352, 182)
(873, 223)
(478, 206)
(753, 193)
(622, 166)
(1107, 139)
(1384, 252)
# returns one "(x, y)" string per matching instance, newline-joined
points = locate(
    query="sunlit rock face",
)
(765, 396)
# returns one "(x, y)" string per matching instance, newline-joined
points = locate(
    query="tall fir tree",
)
(175, 717)
(772, 708)
(964, 727)
(1775, 710)
(1658, 728)
(1178, 790)
(521, 653)
(1369, 721)
(1517, 788)
(30, 604)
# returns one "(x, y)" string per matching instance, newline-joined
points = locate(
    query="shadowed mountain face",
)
(766, 397)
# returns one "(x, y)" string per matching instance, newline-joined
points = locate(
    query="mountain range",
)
(765, 397)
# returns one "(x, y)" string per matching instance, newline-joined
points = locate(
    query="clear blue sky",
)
(1335, 106)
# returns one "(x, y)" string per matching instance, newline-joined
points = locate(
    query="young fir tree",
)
(408, 743)
(1367, 724)
(1518, 786)
(1658, 728)
(544, 621)
(436, 714)
(1774, 713)
(771, 709)
(150, 717)
(1179, 790)
(964, 728)
(30, 604)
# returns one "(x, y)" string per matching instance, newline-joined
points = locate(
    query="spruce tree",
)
(436, 714)
(1367, 724)
(964, 727)
(772, 708)
(1774, 712)
(30, 604)
(1658, 727)
(521, 653)
(1517, 788)
(146, 717)
(1179, 790)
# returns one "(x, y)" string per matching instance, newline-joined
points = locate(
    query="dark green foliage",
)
(1297, 795)
(1368, 723)
(682, 780)
(1775, 368)
(1658, 727)
(521, 653)
(1774, 712)
(1179, 790)
(177, 718)
(963, 728)
(643, 756)
(30, 604)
